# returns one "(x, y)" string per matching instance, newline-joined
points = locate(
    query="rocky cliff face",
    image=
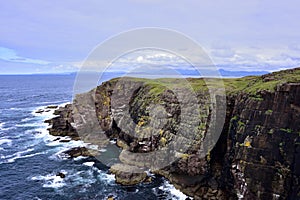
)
(255, 157)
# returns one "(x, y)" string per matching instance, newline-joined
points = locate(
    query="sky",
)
(56, 36)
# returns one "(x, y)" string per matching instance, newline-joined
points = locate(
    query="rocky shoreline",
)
(256, 156)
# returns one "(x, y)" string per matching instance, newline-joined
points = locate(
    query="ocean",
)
(30, 158)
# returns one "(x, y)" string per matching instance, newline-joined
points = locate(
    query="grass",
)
(287, 130)
(252, 85)
(269, 112)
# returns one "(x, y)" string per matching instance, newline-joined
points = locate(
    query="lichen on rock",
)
(257, 155)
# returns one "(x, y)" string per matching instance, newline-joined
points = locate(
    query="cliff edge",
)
(257, 155)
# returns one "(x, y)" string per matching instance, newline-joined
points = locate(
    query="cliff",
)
(256, 156)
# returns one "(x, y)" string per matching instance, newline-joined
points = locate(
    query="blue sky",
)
(56, 36)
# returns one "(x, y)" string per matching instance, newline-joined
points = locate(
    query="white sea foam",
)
(64, 145)
(108, 178)
(47, 115)
(5, 141)
(79, 158)
(50, 140)
(95, 147)
(48, 102)
(113, 142)
(176, 194)
(16, 108)
(90, 164)
(21, 154)
(11, 160)
(3, 128)
(105, 177)
(36, 124)
(50, 181)
(27, 119)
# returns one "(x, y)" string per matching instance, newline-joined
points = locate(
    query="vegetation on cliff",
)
(257, 154)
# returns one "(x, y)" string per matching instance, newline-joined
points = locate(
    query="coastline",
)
(81, 150)
(257, 138)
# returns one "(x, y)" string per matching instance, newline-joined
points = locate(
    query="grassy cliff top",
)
(249, 84)
(268, 82)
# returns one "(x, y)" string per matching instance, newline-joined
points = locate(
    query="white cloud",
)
(225, 57)
(10, 55)
(253, 59)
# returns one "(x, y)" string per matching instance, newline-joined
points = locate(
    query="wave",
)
(36, 124)
(21, 152)
(47, 113)
(3, 128)
(108, 178)
(90, 164)
(50, 102)
(5, 141)
(15, 108)
(27, 119)
(11, 158)
(73, 178)
(174, 193)
(50, 180)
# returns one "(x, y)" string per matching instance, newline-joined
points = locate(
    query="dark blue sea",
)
(30, 158)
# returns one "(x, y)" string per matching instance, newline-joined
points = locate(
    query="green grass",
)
(287, 130)
(269, 112)
(252, 85)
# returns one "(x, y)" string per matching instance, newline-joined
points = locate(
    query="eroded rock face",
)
(61, 125)
(256, 156)
(263, 144)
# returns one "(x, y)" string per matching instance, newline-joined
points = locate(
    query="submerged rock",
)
(61, 175)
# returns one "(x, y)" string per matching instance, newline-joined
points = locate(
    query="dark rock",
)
(61, 125)
(111, 197)
(40, 111)
(61, 175)
(81, 151)
(256, 156)
(51, 107)
(64, 141)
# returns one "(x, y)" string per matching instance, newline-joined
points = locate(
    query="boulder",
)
(127, 174)
(61, 175)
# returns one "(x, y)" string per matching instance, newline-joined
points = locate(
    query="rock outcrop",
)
(256, 156)
(81, 151)
(128, 175)
(61, 125)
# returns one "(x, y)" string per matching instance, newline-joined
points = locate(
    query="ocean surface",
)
(30, 158)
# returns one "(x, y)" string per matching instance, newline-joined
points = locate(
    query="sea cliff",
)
(257, 155)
